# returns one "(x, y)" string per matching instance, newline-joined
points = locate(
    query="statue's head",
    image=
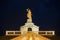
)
(28, 10)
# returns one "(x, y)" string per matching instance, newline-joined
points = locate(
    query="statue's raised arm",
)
(29, 15)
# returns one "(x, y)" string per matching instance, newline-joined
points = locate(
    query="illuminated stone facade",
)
(29, 26)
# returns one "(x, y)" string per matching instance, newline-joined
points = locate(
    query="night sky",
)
(45, 14)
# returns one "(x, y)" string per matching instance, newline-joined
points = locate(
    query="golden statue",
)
(29, 15)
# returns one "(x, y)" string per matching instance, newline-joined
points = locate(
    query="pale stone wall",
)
(24, 29)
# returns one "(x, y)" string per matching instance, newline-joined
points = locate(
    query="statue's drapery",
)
(29, 15)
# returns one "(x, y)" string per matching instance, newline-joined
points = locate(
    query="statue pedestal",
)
(29, 20)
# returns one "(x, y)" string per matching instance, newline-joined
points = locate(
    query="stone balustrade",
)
(40, 32)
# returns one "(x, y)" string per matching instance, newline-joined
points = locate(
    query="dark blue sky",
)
(45, 14)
